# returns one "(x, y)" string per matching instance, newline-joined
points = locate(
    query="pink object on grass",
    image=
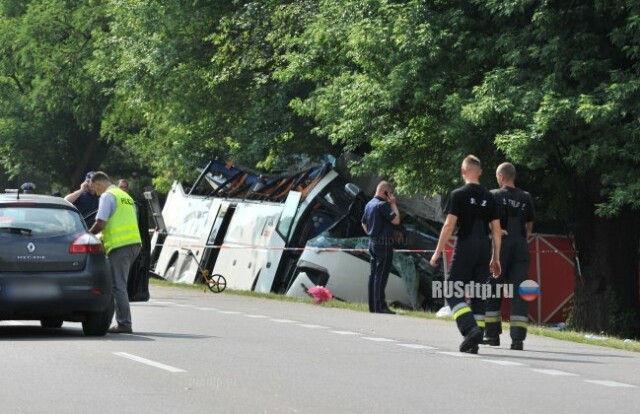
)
(320, 294)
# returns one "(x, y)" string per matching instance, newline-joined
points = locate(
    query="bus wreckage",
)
(284, 234)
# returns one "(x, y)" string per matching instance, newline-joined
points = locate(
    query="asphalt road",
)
(195, 352)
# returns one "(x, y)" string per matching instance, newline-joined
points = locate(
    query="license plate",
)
(34, 290)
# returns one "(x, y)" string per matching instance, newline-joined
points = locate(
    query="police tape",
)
(320, 249)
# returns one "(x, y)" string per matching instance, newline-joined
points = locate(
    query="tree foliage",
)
(51, 107)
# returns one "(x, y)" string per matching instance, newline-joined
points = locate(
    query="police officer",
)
(473, 212)
(516, 219)
(380, 215)
(117, 221)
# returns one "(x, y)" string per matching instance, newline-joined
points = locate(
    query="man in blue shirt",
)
(85, 200)
(380, 216)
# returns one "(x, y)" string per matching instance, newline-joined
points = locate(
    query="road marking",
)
(344, 333)
(256, 316)
(505, 363)
(312, 326)
(229, 312)
(554, 372)
(417, 346)
(149, 362)
(611, 384)
(458, 354)
(14, 323)
(369, 338)
(181, 305)
(207, 309)
(282, 320)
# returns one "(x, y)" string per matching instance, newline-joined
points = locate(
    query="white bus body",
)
(258, 241)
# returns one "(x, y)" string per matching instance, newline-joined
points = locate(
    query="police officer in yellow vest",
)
(117, 221)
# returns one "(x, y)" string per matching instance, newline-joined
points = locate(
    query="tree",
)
(203, 86)
(51, 108)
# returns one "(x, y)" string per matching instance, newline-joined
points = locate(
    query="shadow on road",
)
(37, 333)
(548, 356)
(167, 335)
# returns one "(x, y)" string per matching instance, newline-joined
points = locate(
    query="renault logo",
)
(31, 247)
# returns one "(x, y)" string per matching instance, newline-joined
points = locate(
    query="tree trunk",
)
(86, 157)
(606, 294)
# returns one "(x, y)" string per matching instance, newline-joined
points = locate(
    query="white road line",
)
(344, 332)
(149, 362)
(374, 339)
(417, 346)
(312, 326)
(554, 372)
(611, 384)
(458, 354)
(505, 363)
(207, 309)
(180, 305)
(256, 316)
(282, 320)
(229, 312)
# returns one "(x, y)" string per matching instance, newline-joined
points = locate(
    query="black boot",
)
(491, 340)
(517, 345)
(471, 340)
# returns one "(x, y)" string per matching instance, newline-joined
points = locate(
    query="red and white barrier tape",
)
(322, 249)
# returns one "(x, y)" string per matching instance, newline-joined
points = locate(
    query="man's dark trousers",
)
(381, 259)
(514, 258)
(470, 263)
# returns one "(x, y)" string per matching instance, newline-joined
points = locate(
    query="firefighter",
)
(472, 210)
(516, 219)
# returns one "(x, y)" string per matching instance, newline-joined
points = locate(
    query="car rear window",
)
(40, 220)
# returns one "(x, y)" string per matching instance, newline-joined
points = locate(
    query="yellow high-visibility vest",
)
(122, 227)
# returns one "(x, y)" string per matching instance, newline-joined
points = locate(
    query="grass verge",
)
(565, 334)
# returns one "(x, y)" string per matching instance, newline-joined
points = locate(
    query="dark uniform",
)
(516, 209)
(475, 208)
(377, 217)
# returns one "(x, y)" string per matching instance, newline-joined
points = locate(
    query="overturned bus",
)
(283, 234)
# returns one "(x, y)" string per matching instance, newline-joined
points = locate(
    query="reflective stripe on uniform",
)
(519, 318)
(519, 321)
(492, 316)
(479, 320)
(460, 309)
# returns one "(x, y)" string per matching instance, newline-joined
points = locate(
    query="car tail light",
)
(86, 243)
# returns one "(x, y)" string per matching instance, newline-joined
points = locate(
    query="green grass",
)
(565, 334)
